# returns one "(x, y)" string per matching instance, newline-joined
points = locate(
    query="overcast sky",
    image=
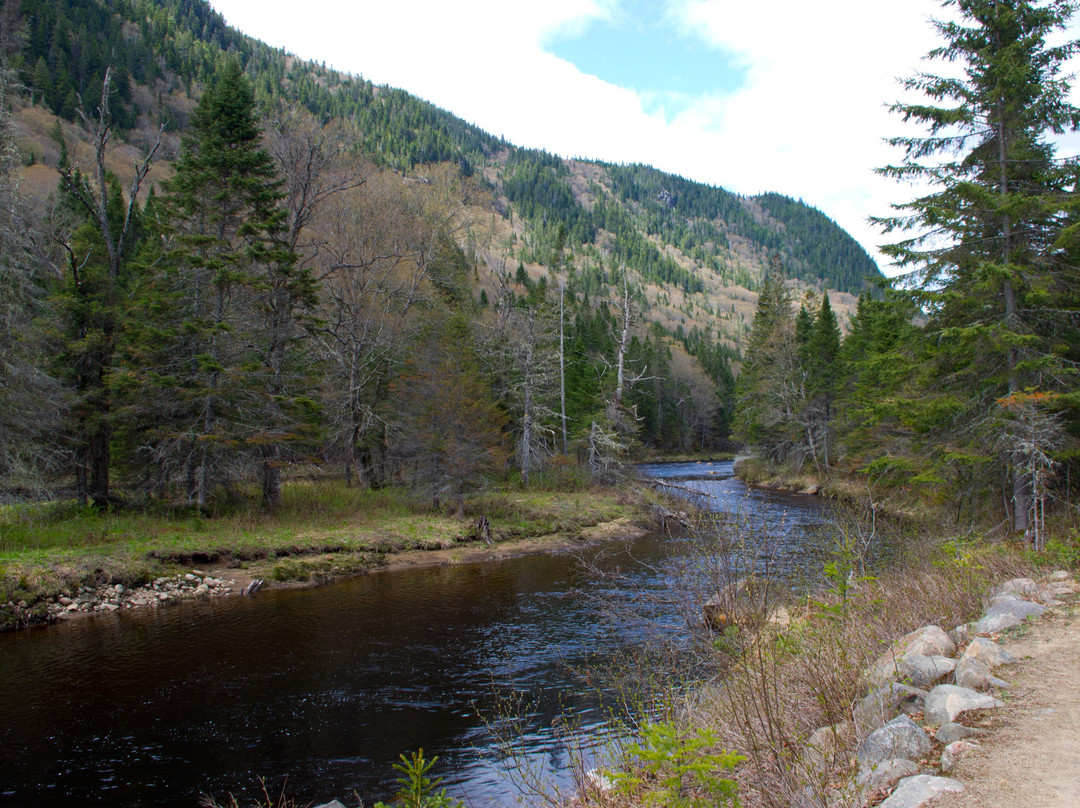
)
(782, 95)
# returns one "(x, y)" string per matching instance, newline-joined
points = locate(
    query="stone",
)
(945, 703)
(919, 790)
(963, 633)
(883, 704)
(1060, 588)
(930, 641)
(163, 596)
(923, 671)
(1006, 614)
(202, 590)
(988, 651)
(825, 745)
(331, 804)
(1060, 575)
(1023, 588)
(900, 738)
(976, 675)
(189, 577)
(952, 753)
(65, 601)
(887, 774)
(952, 732)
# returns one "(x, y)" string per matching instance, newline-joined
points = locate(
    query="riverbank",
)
(58, 561)
(819, 696)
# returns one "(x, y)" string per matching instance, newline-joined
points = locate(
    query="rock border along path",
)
(951, 683)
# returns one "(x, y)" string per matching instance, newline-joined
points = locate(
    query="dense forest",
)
(957, 386)
(228, 264)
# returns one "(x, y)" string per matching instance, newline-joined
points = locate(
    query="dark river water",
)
(329, 685)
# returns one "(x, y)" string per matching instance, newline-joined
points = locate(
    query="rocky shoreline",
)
(162, 591)
(82, 600)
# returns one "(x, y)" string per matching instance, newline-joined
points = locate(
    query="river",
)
(328, 685)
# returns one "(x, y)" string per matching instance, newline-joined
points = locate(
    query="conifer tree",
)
(224, 273)
(980, 244)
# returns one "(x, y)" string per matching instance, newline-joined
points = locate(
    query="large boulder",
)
(901, 739)
(926, 641)
(922, 671)
(988, 651)
(1023, 589)
(883, 704)
(919, 790)
(1006, 614)
(975, 674)
(946, 703)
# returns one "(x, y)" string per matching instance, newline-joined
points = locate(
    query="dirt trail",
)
(1031, 758)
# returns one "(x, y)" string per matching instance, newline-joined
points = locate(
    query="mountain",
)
(694, 255)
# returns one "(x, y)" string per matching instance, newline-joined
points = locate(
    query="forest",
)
(955, 387)
(247, 265)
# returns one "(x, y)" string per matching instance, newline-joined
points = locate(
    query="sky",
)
(782, 95)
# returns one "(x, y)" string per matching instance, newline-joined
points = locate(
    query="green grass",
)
(321, 530)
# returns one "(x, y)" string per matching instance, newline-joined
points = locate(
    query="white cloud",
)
(808, 122)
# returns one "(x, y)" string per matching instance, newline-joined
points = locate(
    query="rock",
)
(946, 702)
(931, 641)
(202, 590)
(119, 589)
(976, 675)
(953, 752)
(1060, 575)
(65, 601)
(923, 671)
(331, 804)
(163, 596)
(199, 574)
(1023, 588)
(919, 790)
(1007, 614)
(988, 651)
(825, 745)
(883, 704)
(886, 774)
(962, 634)
(189, 577)
(1062, 588)
(952, 732)
(926, 641)
(900, 738)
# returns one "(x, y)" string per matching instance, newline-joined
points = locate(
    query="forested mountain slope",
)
(398, 220)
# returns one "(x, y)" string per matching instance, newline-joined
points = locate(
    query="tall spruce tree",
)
(980, 245)
(211, 345)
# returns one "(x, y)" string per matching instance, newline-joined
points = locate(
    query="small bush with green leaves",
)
(679, 769)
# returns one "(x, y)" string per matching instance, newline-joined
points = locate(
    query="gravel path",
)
(1031, 758)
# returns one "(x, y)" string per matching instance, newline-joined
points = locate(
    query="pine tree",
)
(982, 251)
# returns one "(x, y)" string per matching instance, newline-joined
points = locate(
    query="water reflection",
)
(329, 685)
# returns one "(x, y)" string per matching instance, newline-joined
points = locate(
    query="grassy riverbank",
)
(322, 530)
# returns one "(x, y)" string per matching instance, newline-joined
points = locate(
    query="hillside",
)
(687, 239)
(661, 274)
